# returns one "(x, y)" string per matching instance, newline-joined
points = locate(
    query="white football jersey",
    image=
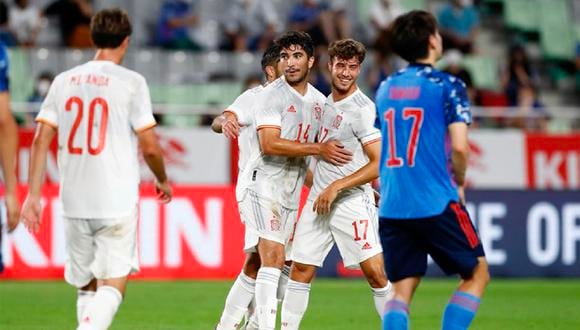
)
(248, 144)
(351, 122)
(281, 106)
(98, 107)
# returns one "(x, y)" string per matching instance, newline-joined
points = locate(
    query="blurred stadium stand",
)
(208, 80)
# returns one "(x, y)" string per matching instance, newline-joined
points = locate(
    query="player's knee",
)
(302, 272)
(377, 279)
(273, 259)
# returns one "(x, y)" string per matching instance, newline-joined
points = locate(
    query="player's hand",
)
(335, 153)
(324, 200)
(163, 191)
(231, 127)
(31, 213)
(461, 193)
(12, 210)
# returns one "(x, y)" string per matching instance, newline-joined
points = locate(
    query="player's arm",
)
(8, 150)
(459, 155)
(272, 144)
(38, 154)
(364, 175)
(154, 159)
(309, 179)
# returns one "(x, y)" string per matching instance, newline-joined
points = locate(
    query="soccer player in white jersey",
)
(340, 207)
(237, 121)
(101, 112)
(286, 118)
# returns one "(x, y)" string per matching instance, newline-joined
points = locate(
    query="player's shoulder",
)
(127, 74)
(442, 78)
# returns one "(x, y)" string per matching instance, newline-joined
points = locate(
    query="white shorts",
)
(264, 218)
(352, 224)
(100, 248)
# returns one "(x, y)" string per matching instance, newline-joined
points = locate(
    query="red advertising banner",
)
(553, 161)
(197, 235)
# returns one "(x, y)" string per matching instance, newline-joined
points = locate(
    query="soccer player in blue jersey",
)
(424, 115)
(8, 148)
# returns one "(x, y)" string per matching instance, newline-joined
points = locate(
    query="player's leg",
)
(405, 263)
(310, 246)
(79, 249)
(270, 226)
(456, 248)
(115, 259)
(241, 293)
(354, 226)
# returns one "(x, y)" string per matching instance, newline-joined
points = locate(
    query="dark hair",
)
(271, 56)
(299, 38)
(346, 49)
(409, 34)
(109, 27)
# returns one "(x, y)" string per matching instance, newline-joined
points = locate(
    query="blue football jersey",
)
(414, 108)
(3, 68)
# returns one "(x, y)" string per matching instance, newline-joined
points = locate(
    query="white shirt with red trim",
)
(281, 106)
(248, 144)
(98, 107)
(350, 121)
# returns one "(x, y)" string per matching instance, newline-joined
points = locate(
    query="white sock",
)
(381, 296)
(237, 302)
(283, 283)
(83, 298)
(251, 317)
(295, 304)
(266, 302)
(101, 309)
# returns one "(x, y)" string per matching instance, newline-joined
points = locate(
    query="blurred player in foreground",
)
(8, 150)
(424, 115)
(101, 112)
(237, 121)
(340, 207)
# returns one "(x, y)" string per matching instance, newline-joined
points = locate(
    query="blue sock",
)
(460, 311)
(396, 316)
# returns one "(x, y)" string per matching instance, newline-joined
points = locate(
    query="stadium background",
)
(524, 172)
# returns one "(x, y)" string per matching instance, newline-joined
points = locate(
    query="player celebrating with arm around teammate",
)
(423, 113)
(286, 118)
(101, 112)
(340, 207)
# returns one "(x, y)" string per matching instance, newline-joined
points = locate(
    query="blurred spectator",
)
(43, 82)
(340, 27)
(25, 21)
(250, 24)
(381, 14)
(578, 67)
(6, 36)
(252, 81)
(454, 66)
(173, 28)
(74, 17)
(521, 85)
(319, 74)
(458, 24)
(314, 17)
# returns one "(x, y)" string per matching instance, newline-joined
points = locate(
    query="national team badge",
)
(317, 112)
(275, 224)
(337, 121)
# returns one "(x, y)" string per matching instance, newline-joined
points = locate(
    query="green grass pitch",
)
(334, 304)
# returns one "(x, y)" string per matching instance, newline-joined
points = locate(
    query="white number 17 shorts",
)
(352, 224)
(100, 248)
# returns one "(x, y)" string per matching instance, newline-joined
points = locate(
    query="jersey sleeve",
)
(364, 127)
(48, 113)
(4, 81)
(242, 107)
(141, 116)
(457, 108)
(268, 113)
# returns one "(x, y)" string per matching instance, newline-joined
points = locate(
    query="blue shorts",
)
(450, 238)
